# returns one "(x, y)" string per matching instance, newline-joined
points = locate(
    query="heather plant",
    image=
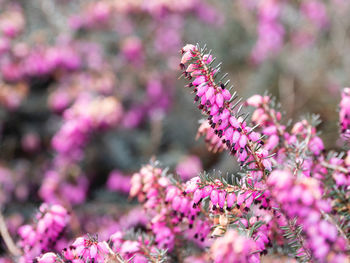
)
(289, 197)
(86, 104)
(68, 83)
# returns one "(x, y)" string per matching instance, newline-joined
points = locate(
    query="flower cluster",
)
(218, 103)
(214, 142)
(310, 157)
(154, 188)
(344, 113)
(102, 13)
(83, 249)
(118, 248)
(50, 225)
(118, 182)
(231, 205)
(273, 28)
(270, 31)
(226, 204)
(221, 197)
(301, 198)
(83, 118)
(233, 247)
(64, 183)
(23, 62)
(269, 119)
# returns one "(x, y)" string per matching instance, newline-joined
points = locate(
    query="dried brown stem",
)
(10, 244)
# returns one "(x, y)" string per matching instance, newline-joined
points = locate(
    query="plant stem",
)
(10, 244)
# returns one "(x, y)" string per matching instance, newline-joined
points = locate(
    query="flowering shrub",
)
(283, 193)
(284, 188)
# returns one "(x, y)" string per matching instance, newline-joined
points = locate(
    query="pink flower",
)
(51, 222)
(90, 249)
(255, 101)
(316, 145)
(234, 248)
(189, 167)
(344, 113)
(118, 182)
(47, 258)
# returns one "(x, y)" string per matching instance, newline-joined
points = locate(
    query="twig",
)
(113, 257)
(301, 240)
(330, 219)
(10, 244)
(335, 167)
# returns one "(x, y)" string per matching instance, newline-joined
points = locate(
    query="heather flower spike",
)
(224, 112)
(344, 113)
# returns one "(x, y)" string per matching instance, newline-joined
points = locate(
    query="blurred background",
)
(89, 90)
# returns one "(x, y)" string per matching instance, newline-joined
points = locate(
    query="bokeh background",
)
(90, 91)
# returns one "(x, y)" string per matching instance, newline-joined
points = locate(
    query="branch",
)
(330, 219)
(335, 167)
(10, 244)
